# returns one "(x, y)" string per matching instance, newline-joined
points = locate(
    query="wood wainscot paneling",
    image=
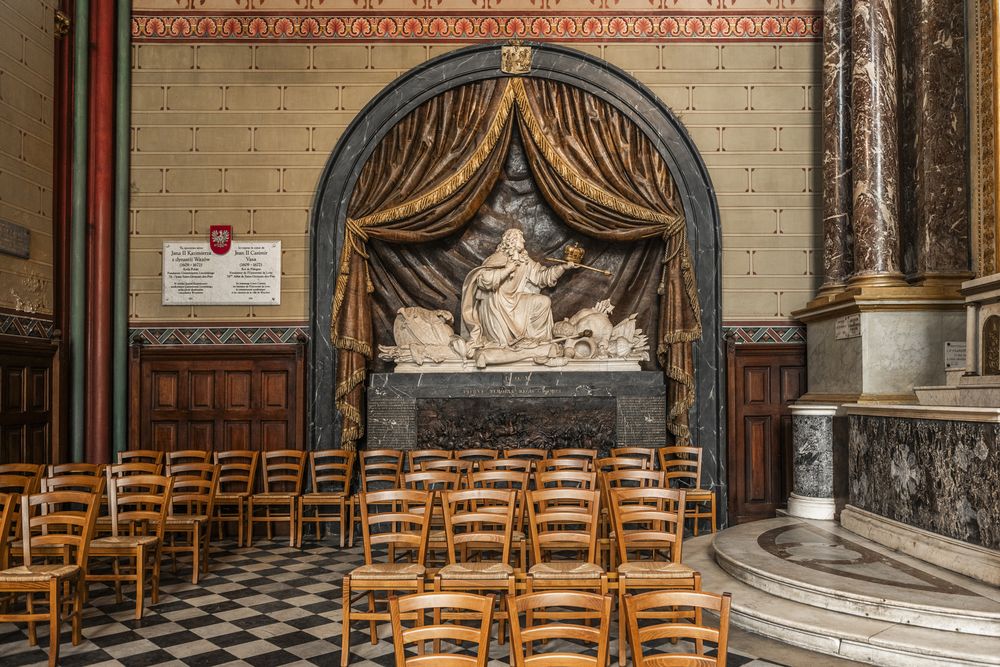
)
(763, 381)
(28, 385)
(218, 397)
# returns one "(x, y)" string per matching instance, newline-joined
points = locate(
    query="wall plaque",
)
(848, 326)
(954, 355)
(14, 239)
(249, 274)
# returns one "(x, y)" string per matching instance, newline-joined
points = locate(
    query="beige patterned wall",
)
(238, 134)
(26, 89)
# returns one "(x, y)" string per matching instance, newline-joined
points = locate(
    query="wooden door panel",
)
(26, 401)
(38, 389)
(13, 389)
(232, 397)
(165, 385)
(764, 380)
(164, 436)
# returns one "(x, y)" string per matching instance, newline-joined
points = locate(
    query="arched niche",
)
(572, 67)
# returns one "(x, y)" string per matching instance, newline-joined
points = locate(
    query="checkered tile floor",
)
(269, 605)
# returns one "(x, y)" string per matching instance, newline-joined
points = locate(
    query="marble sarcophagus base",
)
(548, 410)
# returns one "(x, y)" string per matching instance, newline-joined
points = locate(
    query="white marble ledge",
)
(940, 412)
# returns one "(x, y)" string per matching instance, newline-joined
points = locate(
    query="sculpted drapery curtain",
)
(429, 176)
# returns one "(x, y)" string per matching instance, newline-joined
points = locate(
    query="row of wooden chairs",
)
(411, 630)
(648, 533)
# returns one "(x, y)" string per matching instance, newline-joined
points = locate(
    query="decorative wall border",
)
(217, 335)
(742, 334)
(985, 139)
(25, 326)
(464, 28)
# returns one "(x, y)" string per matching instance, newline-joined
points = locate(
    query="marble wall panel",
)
(812, 464)
(941, 476)
(906, 349)
(834, 365)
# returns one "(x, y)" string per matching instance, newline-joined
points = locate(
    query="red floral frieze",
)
(783, 26)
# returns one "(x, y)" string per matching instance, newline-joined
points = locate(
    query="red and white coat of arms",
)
(220, 238)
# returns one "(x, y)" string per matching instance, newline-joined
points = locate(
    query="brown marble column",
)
(838, 261)
(940, 175)
(875, 164)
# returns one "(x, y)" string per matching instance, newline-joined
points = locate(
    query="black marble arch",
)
(572, 67)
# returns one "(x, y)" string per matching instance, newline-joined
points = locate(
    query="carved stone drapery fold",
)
(432, 172)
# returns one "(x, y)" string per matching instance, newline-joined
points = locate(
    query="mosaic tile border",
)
(26, 326)
(743, 334)
(568, 27)
(217, 335)
(276, 335)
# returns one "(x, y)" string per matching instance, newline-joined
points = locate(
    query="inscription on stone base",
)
(14, 240)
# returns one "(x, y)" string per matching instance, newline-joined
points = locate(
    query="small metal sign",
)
(14, 240)
(848, 326)
(954, 355)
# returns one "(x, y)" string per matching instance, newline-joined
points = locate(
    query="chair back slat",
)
(135, 468)
(462, 467)
(564, 463)
(574, 453)
(432, 480)
(532, 454)
(13, 476)
(524, 612)
(238, 470)
(188, 456)
(476, 455)
(92, 469)
(415, 457)
(518, 465)
(83, 483)
(622, 463)
(283, 470)
(418, 606)
(565, 479)
(141, 456)
(9, 503)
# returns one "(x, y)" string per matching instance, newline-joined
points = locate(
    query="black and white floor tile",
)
(262, 606)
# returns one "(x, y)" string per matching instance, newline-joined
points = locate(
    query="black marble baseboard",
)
(941, 476)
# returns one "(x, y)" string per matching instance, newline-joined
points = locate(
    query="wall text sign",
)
(14, 240)
(848, 326)
(249, 274)
(954, 355)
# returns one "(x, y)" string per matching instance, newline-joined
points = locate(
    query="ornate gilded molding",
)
(780, 25)
(984, 141)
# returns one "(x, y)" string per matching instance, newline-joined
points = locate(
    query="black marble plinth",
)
(942, 476)
(547, 410)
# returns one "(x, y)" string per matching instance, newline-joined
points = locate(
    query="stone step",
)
(876, 642)
(820, 564)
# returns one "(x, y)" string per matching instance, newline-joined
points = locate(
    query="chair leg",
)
(713, 513)
(241, 519)
(350, 520)
(343, 508)
(32, 636)
(196, 557)
(270, 524)
(55, 612)
(622, 649)
(157, 558)
(140, 579)
(372, 625)
(291, 522)
(118, 583)
(78, 601)
(299, 524)
(250, 523)
(345, 641)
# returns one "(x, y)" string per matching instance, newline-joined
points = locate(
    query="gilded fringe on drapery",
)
(673, 349)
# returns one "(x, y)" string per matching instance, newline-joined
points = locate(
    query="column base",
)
(894, 279)
(804, 507)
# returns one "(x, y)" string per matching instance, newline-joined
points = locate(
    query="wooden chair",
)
(556, 528)
(476, 455)
(647, 454)
(418, 605)
(139, 506)
(567, 463)
(393, 518)
(237, 476)
(478, 522)
(529, 453)
(434, 481)
(534, 605)
(639, 606)
(332, 471)
(190, 515)
(92, 469)
(623, 478)
(683, 464)
(141, 456)
(415, 457)
(188, 456)
(50, 524)
(649, 521)
(565, 479)
(283, 470)
(514, 481)
(380, 470)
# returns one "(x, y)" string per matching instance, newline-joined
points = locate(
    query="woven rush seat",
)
(231, 496)
(389, 571)
(187, 520)
(122, 541)
(655, 570)
(275, 495)
(485, 570)
(30, 573)
(437, 536)
(517, 536)
(566, 570)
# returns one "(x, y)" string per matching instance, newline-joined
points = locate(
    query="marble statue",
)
(507, 321)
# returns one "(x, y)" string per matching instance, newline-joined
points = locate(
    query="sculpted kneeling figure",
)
(506, 317)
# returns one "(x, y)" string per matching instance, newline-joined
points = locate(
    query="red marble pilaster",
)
(100, 230)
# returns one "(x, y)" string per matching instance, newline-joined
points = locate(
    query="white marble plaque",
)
(954, 355)
(249, 274)
(848, 326)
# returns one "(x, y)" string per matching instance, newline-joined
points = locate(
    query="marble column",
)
(874, 126)
(940, 173)
(838, 261)
(812, 494)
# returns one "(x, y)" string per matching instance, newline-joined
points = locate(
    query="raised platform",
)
(815, 585)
